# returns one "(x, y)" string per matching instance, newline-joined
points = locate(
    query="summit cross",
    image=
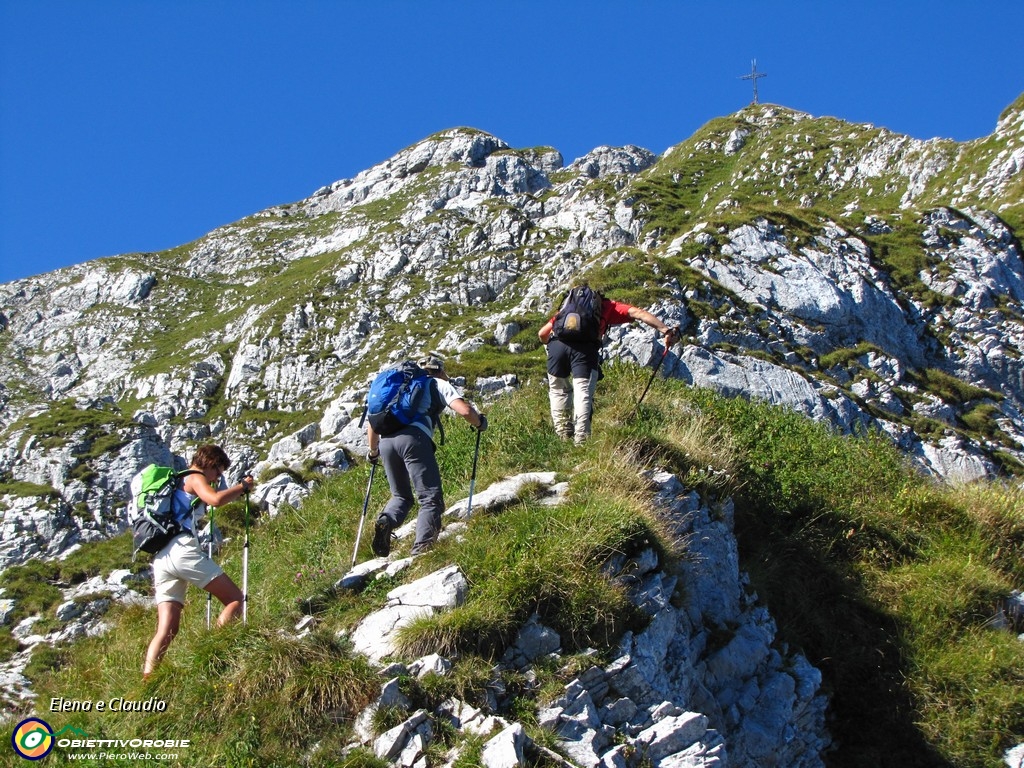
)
(753, 76)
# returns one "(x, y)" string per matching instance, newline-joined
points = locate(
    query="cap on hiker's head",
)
(432, 364)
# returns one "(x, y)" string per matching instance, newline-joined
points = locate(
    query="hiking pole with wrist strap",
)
(245, 565)
(650, 381)
(472, 479)
(209, 554)
(362, 520)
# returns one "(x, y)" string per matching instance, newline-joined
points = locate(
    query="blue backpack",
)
(403, 396)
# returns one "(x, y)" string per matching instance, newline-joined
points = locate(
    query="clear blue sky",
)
(138, 125)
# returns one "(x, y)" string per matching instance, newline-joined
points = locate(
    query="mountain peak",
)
(1011, 122)
(834, 268)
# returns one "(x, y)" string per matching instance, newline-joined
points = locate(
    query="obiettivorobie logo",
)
(33, 739)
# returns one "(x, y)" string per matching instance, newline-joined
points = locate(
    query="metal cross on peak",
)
(754, 74)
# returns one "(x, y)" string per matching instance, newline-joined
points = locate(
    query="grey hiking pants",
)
(410, 464)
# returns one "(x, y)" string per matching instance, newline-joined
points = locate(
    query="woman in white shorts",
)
(182, 561)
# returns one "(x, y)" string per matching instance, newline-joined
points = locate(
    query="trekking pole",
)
(472, 479)
(366, 504)
(209, 554)
(650, 381)
(245, 565)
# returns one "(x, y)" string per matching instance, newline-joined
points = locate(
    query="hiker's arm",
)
(372, 443)
(647, 318)
(466, 411)
(197, 485)
(544, 334)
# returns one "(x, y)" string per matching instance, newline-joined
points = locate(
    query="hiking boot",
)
(381, 545)
(419, 549)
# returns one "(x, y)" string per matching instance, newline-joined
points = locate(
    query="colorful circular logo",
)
(32, 738)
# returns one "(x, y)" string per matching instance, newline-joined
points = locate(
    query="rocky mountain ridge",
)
(860, 277)
(851, 273)
(673, 696)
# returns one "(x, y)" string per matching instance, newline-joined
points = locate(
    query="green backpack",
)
(151, 511)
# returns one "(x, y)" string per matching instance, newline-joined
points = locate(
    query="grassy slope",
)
(884, 580)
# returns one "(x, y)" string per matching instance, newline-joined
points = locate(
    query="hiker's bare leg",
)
(225, 590)
(168, 619)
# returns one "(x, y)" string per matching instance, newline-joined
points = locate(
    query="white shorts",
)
(180, 563)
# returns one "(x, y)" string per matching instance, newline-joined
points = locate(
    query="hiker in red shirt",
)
(573, 338)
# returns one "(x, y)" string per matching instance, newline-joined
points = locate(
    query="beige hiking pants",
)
(572, 402)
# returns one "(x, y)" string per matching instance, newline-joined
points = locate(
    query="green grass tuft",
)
(885, 580)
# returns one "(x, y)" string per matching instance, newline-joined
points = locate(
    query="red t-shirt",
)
(614, 313)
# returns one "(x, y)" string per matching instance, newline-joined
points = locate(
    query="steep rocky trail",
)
(677, 692)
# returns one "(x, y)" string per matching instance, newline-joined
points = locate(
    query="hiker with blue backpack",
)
(181, 561)
(573, 338)
(404, 407)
